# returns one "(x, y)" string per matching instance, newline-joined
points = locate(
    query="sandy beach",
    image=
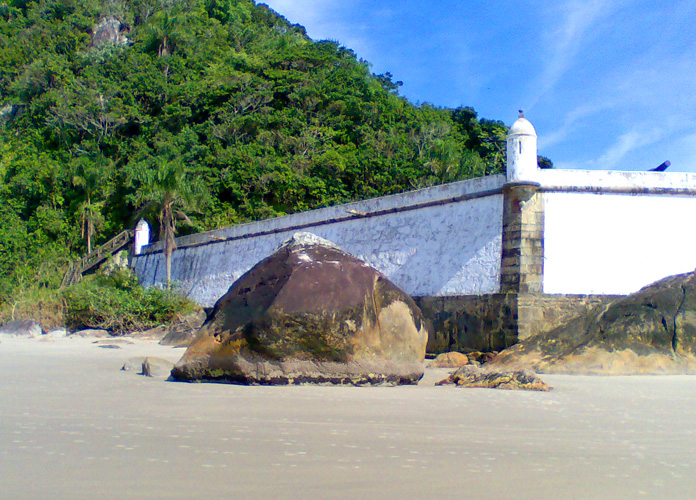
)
(74, 426)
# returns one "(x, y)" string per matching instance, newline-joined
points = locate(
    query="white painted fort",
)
(440, 241)
(533, 231)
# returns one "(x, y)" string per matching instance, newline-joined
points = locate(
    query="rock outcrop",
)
(21, 328)
(108, 32)
(472, 376)
(309, 312)
(181, 333)
(7, 112)
(652, 331)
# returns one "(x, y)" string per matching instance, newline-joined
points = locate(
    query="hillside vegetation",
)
(220, 110)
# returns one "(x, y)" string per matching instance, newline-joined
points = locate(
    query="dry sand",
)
(73, 426)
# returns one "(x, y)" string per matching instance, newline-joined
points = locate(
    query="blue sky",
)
(608, 84)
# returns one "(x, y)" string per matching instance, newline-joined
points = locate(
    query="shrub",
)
(41, 304)
(117, 303)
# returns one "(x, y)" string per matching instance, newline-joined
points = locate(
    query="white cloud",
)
(578, 19)
(622, 98)
(610, 83)
(572, 120)
(622, 153)
(626, 143)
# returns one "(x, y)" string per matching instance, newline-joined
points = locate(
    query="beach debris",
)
(472, 376)
(309, 313)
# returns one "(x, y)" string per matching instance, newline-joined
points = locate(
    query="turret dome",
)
(522, 127)
(522, 151)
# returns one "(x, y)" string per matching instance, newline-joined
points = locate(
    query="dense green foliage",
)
(116, 303)
(267, 121)
(111, 301)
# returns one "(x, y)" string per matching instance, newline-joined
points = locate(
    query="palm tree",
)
(92, 174)
(166, 29)
(167, 191)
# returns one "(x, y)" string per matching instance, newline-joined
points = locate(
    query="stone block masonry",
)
(469, 323)
(493, 322)
(522, 264)
(541, 313)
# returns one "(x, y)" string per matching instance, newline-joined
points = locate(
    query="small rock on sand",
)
(472, 376)
(91, 332)
(156, 367)
(57, 333)
(481, 357)
(449, 360)
(150, 366)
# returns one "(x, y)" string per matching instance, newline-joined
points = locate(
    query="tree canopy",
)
(268, 121)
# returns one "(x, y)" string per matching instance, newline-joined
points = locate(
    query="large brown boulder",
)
(309, 312)
(651, 331)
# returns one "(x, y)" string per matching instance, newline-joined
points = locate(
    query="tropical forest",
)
(194, 115)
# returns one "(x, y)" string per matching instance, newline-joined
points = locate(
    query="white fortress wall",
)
(612, 232)
(444, 240)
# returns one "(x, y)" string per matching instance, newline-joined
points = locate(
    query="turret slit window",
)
(520, 147)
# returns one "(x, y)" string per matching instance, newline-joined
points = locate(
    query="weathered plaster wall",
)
(444, 240)
(615, 232)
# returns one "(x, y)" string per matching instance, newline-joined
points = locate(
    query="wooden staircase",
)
(79, 267)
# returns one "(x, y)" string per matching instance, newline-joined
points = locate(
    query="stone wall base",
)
(493, 322)
(541, 313)
(468, 323)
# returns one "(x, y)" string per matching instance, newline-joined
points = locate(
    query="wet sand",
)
(73, 426)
